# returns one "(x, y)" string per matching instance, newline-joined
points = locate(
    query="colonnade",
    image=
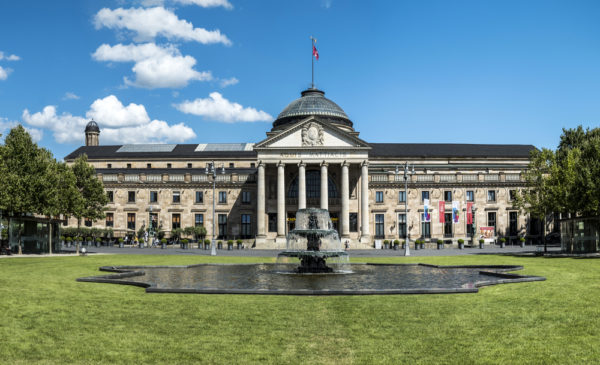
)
(324, 198)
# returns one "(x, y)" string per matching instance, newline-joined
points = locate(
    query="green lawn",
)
(48, 317)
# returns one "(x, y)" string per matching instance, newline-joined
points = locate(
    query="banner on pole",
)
(442, 209)
(455, 211)
(470, 213)
(426, 214)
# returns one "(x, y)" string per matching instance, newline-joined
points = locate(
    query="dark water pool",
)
(280, 279)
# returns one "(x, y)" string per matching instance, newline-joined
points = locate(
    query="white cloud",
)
(218, 108)
(118, 124)
(70, 96)
(12, 57)
(206, 3)
(155, 66)
(110, 112)
(228, 82)
(150, 23)
(4, 73)
(6, 125)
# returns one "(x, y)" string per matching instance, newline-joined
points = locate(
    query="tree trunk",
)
(49, 236)
(77, 241)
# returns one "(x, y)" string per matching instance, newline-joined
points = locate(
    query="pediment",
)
(312, 133)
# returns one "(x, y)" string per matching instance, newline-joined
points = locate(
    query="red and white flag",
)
(442, 209)
(315, 52)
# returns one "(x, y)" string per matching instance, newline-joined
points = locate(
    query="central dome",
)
(312, 102)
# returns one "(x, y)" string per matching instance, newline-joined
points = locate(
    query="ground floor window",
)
(222, 226)
(199, 220)
(272, 222)
(379, 226)
(425, 227)
(291, 221)
(512, 223)
(176, 221)
(492, 220)
(401, 225)
(335, 221)
(353, 222)
(448, 225)
(246, 229)
(131, 221)
(153, 219)
(87, 222)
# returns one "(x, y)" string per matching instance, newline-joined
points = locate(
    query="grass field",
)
(48, 317)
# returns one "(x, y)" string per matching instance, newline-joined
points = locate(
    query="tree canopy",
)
(567, 179)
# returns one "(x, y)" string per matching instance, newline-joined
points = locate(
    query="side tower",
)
(92, 134)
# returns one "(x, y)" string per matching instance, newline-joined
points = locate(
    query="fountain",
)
(313, 242)
(310, 265)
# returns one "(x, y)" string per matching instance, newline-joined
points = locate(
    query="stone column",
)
(260, 201)
(364, 202)
(281, 200)
(324, 186)
(301, 185)
(345, 201)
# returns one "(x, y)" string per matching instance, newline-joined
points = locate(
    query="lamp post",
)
(408, 170)
(210, 169)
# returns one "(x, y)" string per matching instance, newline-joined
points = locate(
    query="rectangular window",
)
(109, 165)
(154, 221)
(176, 197)
(471, 228)
(189, 165)
(148, 165)
(470, 196)
(252, 165)
(379, 197)
(169, 165)
(424, 195)
(246, 228)
(491, 195)
(448, 195)
(111, 196)
(222, 226)
(87, 222)
(353, 222)
(128, 165)
(512, 223)
(199, 220)
(512, 194)
(401, 226)
(131, 221)
(246, 197)
(402, 197)
(176, 221)
(492, 220)
(199, 197)
(110, 219)
(222, 197)
(231, 165)
(272, 222)
(379, 226)
(448, 225)
(153, 196)
(425, 227)
(131, 196)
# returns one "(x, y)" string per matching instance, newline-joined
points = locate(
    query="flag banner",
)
(442, 206)
(470, 213)
(426, 215)
(455, 211)
(315, 52)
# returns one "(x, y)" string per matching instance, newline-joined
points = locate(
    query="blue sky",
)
(198, 71)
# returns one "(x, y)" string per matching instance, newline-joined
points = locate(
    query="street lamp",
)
(210, 169)
(408, 170)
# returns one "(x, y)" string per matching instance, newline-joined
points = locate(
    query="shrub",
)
(481, 240)
(120, 239)
(220, 242)
(522, 239)
(440, 241)
(396, 242)
(98, 239)
(503, 240)
(230, 242)
(207, 242)
(163, 240)
(69, 239)
(460, 240)
(239, 242)
(387, 242)
(184, 241)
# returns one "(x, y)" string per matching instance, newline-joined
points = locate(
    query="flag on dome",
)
(315, 52)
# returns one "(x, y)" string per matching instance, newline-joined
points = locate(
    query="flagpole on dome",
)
(314, 54)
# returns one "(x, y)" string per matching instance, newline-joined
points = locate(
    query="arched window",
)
(313, 186)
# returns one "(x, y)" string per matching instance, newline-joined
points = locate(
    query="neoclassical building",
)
(312, 157)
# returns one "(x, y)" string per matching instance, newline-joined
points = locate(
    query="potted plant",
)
(120, 242)
(62, 240)
(163, 243)
(89, 241)
(220, 245)
(386, 244)
(98, 240)
(502, 242)
(422, 244)
(403, 244)
(417, 244)
(481, 241)
(184, 243)
(440, 244)
(239, 244)
(206, 244)
(396, 244)
(522, 241)
(229, 245)
(461, 243)
(69, 240)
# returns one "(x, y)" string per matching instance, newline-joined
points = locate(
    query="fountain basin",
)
(360, 279)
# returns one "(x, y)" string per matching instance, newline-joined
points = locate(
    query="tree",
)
(92, 198)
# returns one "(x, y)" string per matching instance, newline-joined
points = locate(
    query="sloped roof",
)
(450, 150)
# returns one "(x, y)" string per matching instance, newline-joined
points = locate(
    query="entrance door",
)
(335, 220)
